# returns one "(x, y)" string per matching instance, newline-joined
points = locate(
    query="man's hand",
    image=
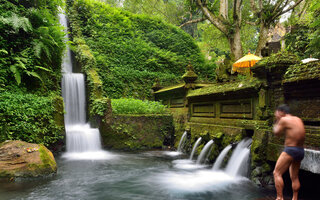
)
(279, 126)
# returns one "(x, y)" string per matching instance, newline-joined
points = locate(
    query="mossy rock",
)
(22, 159)
(137, 132)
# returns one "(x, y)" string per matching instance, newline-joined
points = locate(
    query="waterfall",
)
(182, 141)
(74, 98)
(239, 158)
(311, 160)
(66, 62)
(195, 147)
(83, 142)
(222, 155)
(204, 152)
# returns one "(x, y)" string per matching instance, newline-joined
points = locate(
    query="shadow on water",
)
(147, 175)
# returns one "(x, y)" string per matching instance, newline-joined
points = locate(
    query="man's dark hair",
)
(284, 108)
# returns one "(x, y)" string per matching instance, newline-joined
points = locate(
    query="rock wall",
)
(137, 132)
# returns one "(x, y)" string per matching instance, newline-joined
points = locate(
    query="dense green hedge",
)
(29, 117)
(136, 106)
(130, 50)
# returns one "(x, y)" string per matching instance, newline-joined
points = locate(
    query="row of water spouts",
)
(235, 165)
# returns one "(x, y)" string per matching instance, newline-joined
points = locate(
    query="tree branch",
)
(290, 8)
(252, 23)
(218, 23)
(253, 6)
(278, 4)
(192, 22)
(283, 6)
(260, 4)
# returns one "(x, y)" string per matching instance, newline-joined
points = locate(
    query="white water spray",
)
(195, 147)
(239, 158)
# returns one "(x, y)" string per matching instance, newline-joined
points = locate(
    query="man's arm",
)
(279, 127)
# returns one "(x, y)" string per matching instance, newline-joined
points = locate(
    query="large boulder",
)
(22, 159)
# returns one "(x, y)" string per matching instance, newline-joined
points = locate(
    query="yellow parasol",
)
(244, 63)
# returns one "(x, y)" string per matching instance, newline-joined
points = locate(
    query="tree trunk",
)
(235, 44)
(264, 29)
(224, 8)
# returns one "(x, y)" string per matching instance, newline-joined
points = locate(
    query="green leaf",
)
(34, 74)
(2, 51)
(16, 73)
(43, 68)
(21, 65)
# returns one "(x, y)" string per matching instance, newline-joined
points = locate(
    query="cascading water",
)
(195, 148)
(239, 158)
(182, 141)
(83, 142)
(222, 155)
(204, 152)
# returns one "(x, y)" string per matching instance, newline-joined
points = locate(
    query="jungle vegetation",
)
(31, 47)
(133, 43)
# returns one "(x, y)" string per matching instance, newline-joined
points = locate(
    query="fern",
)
(17, 23)
(34, 74)
(16, 73)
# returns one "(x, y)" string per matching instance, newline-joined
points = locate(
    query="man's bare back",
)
(294, 131)
(293, 153)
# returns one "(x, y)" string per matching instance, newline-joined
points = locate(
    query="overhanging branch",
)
(192, 22)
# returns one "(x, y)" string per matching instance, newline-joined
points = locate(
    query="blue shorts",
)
(297, 153)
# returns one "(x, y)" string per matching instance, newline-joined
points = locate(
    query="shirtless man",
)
(293, 152)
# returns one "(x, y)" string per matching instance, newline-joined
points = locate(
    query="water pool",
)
(145, 175)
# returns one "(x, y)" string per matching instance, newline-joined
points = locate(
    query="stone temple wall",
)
(228, 112)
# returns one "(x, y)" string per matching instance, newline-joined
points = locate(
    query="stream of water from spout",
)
(195, 147)
(204, 152)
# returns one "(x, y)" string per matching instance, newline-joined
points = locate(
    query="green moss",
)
(190, 74)
(137, 132)
(280, 58)
(226, 87)
(273, 151)
(302, 72)
(47, 158)
(59, 111)
(4, 173)
(181, 85)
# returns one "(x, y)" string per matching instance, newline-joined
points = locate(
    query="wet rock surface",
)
(22, 159)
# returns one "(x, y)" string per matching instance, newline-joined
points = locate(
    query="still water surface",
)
(134, 176)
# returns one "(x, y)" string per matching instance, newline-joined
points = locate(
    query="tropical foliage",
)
(131, 50)
(31, 47)
(29, 118)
